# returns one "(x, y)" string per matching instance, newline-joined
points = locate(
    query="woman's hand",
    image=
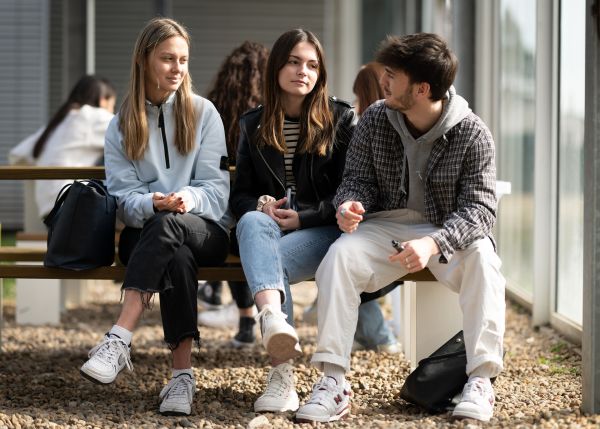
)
(287, 219)
(187, 204)
(171, 202)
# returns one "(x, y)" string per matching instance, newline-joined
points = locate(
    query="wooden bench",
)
(424, 316)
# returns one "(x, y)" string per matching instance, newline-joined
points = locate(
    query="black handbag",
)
(438, 378)
(81, 227)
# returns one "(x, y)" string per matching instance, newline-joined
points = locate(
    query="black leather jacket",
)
(261, 171)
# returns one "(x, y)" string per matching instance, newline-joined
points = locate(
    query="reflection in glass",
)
(516, 141)
(569, 294)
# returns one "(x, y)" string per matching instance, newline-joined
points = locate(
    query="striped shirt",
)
(291, 132)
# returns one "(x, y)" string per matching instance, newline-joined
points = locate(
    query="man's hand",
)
(349, 215)
(416, 254)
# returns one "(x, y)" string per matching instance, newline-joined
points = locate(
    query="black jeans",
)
(164, 257)
(240, 291)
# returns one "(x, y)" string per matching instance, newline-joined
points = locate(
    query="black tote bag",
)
(439, 377)
(81, 227)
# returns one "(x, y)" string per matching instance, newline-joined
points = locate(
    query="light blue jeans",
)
(273, 259)
(371, 329)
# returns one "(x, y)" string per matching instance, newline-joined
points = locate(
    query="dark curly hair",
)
(238, 88)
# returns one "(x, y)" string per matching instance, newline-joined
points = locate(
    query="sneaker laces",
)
(178, 387)
(476, 389)
(278, 385)
(324, 393)
(109, 350)
(267, 309)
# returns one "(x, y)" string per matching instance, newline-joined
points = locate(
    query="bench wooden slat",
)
(13, 254)
(234, 273)
(31, 236)
(41, 173)
(231, 272)
(35, 254)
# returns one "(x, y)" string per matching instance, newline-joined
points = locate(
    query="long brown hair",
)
(366, 86)
(133, 121)
(238, 87)
(88, 90)
(316, 121)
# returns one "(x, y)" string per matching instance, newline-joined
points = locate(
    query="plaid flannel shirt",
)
(460, 181)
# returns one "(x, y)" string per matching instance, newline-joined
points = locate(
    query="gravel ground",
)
(40, 385)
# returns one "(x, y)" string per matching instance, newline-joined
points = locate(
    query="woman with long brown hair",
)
(163, 155)
(290, 161)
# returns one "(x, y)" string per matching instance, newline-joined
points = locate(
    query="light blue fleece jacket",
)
(197, 173)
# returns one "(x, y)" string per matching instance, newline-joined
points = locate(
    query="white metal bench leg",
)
(431, 316)
(38, 301)
(396, 301)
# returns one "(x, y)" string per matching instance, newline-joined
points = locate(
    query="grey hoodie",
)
(416, 151)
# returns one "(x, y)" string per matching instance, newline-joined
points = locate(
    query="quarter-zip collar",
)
(161, 124)
(170, 100)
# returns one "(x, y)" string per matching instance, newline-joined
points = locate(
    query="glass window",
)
(516, 140)
(569, 294)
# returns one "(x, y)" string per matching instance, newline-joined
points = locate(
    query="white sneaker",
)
(280, 394)
(328, 402)
(477, 400)
(177, 396)
(279, 338)
(226, 317)
(106, 360)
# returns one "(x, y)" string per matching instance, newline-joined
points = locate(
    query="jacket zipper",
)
(312, 180)
(272, 172)
(161, 125)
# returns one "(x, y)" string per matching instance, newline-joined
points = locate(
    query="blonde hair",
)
(133, 121)
(316, 118)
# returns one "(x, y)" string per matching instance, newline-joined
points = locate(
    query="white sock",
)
(334, 371)
(122, 333)
(485, 370)
(178, 372)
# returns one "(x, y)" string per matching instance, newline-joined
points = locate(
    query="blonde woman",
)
(165, 160)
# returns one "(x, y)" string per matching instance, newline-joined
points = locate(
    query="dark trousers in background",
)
(163, 257)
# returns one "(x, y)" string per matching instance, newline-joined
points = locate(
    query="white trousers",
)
(358, 262)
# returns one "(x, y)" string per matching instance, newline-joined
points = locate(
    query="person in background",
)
(164, 157)
(74, 136)
(290, 161)
(237, 88)
(420, 170)
(367, 87)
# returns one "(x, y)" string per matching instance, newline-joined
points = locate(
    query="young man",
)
(420, 170)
